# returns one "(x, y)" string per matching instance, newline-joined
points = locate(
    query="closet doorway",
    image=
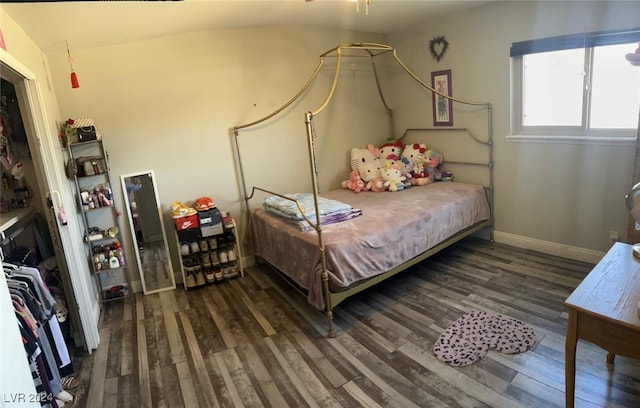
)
(17, 221)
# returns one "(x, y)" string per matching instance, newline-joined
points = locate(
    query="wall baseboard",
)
(550, 248)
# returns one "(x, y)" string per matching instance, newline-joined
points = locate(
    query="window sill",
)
(597, 140)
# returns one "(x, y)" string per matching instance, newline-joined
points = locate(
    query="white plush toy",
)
(415, 153)
(361, 155)
(393, 178)
(372, 177)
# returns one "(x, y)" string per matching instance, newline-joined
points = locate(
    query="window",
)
(576, 85)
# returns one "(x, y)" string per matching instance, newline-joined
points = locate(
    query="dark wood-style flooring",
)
(254, 342)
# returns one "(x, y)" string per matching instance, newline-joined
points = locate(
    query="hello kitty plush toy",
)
(372, 177)
(415, 152)
(420, 175)
(393, 178)
(391, 151)
(363, 155)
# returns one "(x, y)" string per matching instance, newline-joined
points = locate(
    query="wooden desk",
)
(603, 311)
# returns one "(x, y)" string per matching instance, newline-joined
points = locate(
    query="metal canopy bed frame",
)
(371, 51)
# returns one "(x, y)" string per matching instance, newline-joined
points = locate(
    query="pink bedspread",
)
(394, 228)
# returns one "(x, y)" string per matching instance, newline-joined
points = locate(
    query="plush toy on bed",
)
(433, 162)
(406, 168)
(372, 177)
(354, 183)
(391, 151)
(415, 152)
(393, 178)
(420, 174)
(361, 155)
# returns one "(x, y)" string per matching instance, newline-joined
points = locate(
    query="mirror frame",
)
(134, 238)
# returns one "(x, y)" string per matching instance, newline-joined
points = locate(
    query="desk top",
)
(612, 289)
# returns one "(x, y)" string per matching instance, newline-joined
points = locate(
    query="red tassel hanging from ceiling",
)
(74, 78)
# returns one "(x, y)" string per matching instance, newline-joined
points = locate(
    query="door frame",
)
(47, 157)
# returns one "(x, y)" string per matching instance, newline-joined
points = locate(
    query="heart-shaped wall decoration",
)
(437, 47)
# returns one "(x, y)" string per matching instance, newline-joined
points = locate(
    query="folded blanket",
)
(288, 209)
(329, 219)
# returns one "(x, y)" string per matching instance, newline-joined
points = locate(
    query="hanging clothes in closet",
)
(42, 337)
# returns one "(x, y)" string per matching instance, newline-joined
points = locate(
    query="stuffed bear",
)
(371, 176)
(393, 178)
(433, 161)
(391, 151)
(354, 183)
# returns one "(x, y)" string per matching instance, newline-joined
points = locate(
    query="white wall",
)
(169, 104)
(558, 197)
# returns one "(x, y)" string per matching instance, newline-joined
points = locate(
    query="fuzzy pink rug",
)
(470, 337)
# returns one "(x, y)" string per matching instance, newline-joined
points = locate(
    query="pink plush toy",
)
(354, 183)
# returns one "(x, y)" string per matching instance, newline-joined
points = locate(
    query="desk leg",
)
(570, 358)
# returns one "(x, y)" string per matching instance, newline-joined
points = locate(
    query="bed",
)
(328, 263)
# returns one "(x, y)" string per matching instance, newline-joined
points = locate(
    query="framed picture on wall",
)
(442, 107)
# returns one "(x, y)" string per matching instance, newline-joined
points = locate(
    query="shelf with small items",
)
(108, 256)
(114, 292)
(88, 167)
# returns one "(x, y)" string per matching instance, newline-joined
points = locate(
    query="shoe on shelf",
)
(194, 247)
(205, 203)
(188, 266)
(223, 257)
(203, 245)
(180, 210)
(184, 248)
(214, 258)
(218, 275)
(231, 255)
(200, 279)
(191, 281)
(206, 261)
(213, 243)
(209, 276)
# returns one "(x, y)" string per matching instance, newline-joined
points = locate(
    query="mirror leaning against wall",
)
(147, 231)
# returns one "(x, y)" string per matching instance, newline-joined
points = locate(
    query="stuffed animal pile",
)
(393, 167)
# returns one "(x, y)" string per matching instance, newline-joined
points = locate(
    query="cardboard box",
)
(186, 222)
(210, 230)
(210, 217)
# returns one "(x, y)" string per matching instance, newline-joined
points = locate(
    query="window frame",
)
(588, 41)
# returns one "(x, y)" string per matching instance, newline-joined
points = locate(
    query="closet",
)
(32, 253)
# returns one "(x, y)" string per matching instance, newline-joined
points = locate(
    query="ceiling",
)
(87, 24)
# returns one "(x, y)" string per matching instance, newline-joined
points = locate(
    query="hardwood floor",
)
(254, 342)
